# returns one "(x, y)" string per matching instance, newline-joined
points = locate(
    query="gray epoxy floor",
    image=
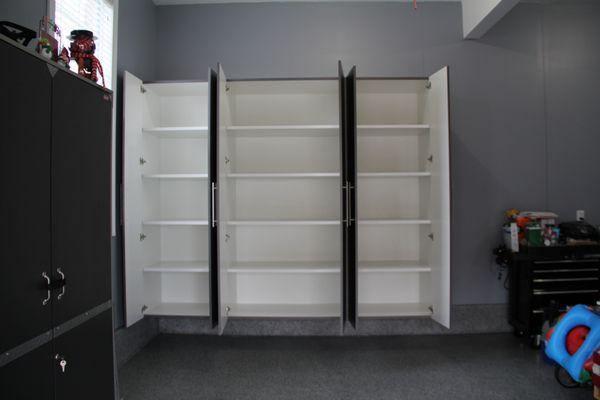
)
(178, 367)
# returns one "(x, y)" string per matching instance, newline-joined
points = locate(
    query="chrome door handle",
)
(64, 286)
(213, 188)
(48, 291)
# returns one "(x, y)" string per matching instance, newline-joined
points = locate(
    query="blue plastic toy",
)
(556, 348)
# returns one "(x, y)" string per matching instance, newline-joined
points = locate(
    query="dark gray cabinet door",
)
(87, 351)
(25, 201)
(81, 190)
(28, 377)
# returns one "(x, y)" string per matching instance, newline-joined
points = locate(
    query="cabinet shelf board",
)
(178, 267)
(285, 267)
(284, 175)
(175, 176)
(394, 222)
(179, 309)
(392, 266)
(394, 310)
(285, 310)
(181, 132)
(176, 222)
(283, 222)
(399, 129)
(393, 174)
(284, 130)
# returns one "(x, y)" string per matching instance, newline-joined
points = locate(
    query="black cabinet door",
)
(344, 195)
(28, 377)
(88, 353)
(350, 172)
(25, 201)
(213, 200)
(81, 179)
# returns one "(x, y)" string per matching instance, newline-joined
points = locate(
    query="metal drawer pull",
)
(542, 271)
(539, 311)
(546, 292)
(213, 188)
(64, 286)
(48, 294)
(564, 280)
(591, 260)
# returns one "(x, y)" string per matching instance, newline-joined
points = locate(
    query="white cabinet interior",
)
(165, 198)
(279, 198)
(284, 198)
(403, 209)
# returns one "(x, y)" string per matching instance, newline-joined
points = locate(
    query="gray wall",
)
(524, 101)
(23, 12)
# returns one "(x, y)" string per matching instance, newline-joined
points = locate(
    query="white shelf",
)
(284, 175)
(178, 267)
(393, 174)
(284, 130)
(179, 309)
(175, 176)
(180, 132)
(394, 222)
(285, 310)
(176, 222)
(392, 266)
(394, 310)
(285, 267)
(283, 223)
(392, 129)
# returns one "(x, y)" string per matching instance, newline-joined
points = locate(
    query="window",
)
(93, 15)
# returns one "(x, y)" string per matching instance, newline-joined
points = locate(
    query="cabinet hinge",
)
(227, 88)
(227, 160)
(428, 85)
(142, 89)
(142, 161)
(144, 308)
(227, 237)
(431, 309)
(430, 236)
(142, 237)
(430, 158)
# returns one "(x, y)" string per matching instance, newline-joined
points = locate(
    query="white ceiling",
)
(179, 2)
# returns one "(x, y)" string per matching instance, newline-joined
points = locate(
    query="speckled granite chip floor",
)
(180, 367)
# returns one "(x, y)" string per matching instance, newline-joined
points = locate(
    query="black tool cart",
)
(546, 279)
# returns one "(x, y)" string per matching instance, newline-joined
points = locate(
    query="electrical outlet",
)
(580, 215)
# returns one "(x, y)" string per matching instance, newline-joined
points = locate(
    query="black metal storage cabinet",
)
(55, 246)
(564, 276)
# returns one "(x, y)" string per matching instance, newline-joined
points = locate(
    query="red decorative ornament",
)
(82, 51)
(414, 4)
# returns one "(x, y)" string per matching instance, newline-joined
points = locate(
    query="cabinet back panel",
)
(284, 102)
(391, 198)
(176, 104)
(400, 153)
(184, 243)
(388, 242)
(287, 243)
(283, 199)
(402, 287)
(185, 288)
(183, 199)
(286, 154)
(285, 288)
(183, 156)
(388, 102)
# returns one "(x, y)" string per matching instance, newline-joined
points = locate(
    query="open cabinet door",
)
(221, 197)
(436, 114)
(213, 205)
(133, 198)
(343, 197)
(351, 182)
